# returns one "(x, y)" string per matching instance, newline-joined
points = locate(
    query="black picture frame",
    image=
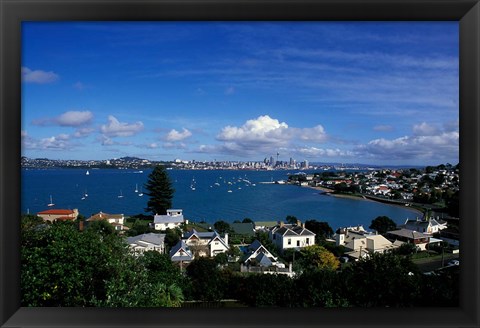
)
(14, 12)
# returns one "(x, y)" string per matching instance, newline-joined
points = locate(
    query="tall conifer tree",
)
(160, 190)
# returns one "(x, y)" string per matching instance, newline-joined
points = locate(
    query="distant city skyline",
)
(348, 92)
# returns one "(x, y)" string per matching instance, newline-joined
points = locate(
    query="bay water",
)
(203, 195)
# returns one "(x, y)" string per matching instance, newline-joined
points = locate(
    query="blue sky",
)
(349, 92)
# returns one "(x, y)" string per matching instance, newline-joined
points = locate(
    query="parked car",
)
(453, 262)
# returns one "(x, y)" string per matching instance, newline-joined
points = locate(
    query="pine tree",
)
(160, 190)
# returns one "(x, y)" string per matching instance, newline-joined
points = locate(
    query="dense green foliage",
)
(322, 230)
(62, 266)
(222, 227)
(383, 224)
(159, 189)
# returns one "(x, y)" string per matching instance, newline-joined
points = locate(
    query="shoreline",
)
(329, 192)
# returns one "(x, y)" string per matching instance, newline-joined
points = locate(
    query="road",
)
(435, 262)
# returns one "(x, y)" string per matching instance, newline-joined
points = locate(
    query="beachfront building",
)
(116, 220)
(291, 236)
(58, 215)
(173, 219)
(147, 242)
(205, 243)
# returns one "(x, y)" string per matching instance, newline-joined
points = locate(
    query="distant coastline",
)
(329, 192)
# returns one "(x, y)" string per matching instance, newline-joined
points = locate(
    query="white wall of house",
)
(216, 247)
(296, 242)
(143, 247)
(165, 226)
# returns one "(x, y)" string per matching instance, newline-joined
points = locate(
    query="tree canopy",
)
(159, 189)
(383, 224)
(62, 266)
(318, 257)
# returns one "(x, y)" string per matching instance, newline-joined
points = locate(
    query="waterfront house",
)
(181, 253)
(206, 243)
(58, 215)
(426, 226)
(410, 236)
(173, 219)
(147, 242)
(116, 220)
(291, 236)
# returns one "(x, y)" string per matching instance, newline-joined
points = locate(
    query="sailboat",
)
(121, 195)
(136, 187)
(51, 202)
(86, 195)
(87, 173)
(192, 186)
(141, 193)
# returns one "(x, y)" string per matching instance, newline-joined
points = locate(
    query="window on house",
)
(289, 241)
(298, 242)
(308, 241)
(216, 243)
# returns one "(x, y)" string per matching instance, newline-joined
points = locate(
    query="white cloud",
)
(83, 132)
(38, 76)
(115, 128)
(265, 133)
(425, 129)
(74, 118)
(60, 142)
(70, 118)
(175, 135)
(260, 136)
(313, 152)
(262, 129)
(439, 147)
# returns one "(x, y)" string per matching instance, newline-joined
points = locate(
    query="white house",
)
(181, 253)
(291, 236)
(206, 243)
(360, 242)
(426, 226)
(117, 220)
(173, 219)
(256, 254)
(345, 235)
(147, 242)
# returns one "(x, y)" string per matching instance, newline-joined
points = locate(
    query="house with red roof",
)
(58, 215)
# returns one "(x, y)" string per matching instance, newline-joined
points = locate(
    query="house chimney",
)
(226, 238)
(299, 223)
(281, 224)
